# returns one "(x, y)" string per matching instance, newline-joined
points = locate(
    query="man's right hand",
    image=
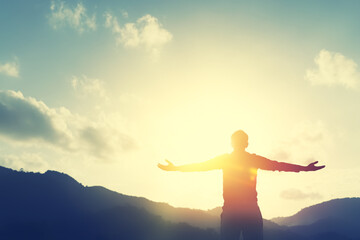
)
(169, 167)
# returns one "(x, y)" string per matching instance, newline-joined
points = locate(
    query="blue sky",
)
(105, 90)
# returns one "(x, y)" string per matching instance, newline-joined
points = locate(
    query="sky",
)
(105, 90)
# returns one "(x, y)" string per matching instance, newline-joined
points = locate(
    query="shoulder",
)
(256, 157)
(263, 162)
(252, 155)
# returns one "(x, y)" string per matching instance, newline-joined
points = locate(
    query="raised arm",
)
(267, 164)
(211, 164)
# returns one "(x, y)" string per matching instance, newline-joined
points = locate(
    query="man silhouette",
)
(241, 213)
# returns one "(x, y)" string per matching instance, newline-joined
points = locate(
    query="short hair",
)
(239, 138)
(240, 134)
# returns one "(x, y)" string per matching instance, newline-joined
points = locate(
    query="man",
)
(241, 213)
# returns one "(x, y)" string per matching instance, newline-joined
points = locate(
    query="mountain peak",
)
(61, 177)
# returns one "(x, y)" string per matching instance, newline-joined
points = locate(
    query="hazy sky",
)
(104, 90)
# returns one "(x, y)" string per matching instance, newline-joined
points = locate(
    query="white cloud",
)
(89, 87)
(10, 68)
(124, 14)
(25, 161)
(76, 17)
(31, 121)
(333, 69)
(146, 32)
(102, 141)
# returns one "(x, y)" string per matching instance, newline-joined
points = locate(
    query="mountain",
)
(53, 205)
(343, 209)
(63, 191)
(335, 217)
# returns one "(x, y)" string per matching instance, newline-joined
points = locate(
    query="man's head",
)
(239, 140)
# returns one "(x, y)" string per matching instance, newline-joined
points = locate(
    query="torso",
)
(239, 180)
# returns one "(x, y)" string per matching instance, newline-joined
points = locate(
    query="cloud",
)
(307, 142)
(100, 141)
(146, 32)
(26, 161)
(76, 18)
(333, 69)
(31, 121)
(89, 87)
(10, 69)
(296, 194)
(124, 14)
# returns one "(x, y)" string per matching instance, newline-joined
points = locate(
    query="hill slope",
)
(347, 209)
(338, 218)
(55, 206)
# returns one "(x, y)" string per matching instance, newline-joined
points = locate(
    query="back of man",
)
(241, 213)
(239, 180)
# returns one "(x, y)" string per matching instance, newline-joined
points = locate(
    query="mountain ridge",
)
(341, 208)
(51, 200)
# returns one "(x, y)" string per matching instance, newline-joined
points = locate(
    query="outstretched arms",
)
(211, 164)
(288, 167)
(259, 162)
(267, 164)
